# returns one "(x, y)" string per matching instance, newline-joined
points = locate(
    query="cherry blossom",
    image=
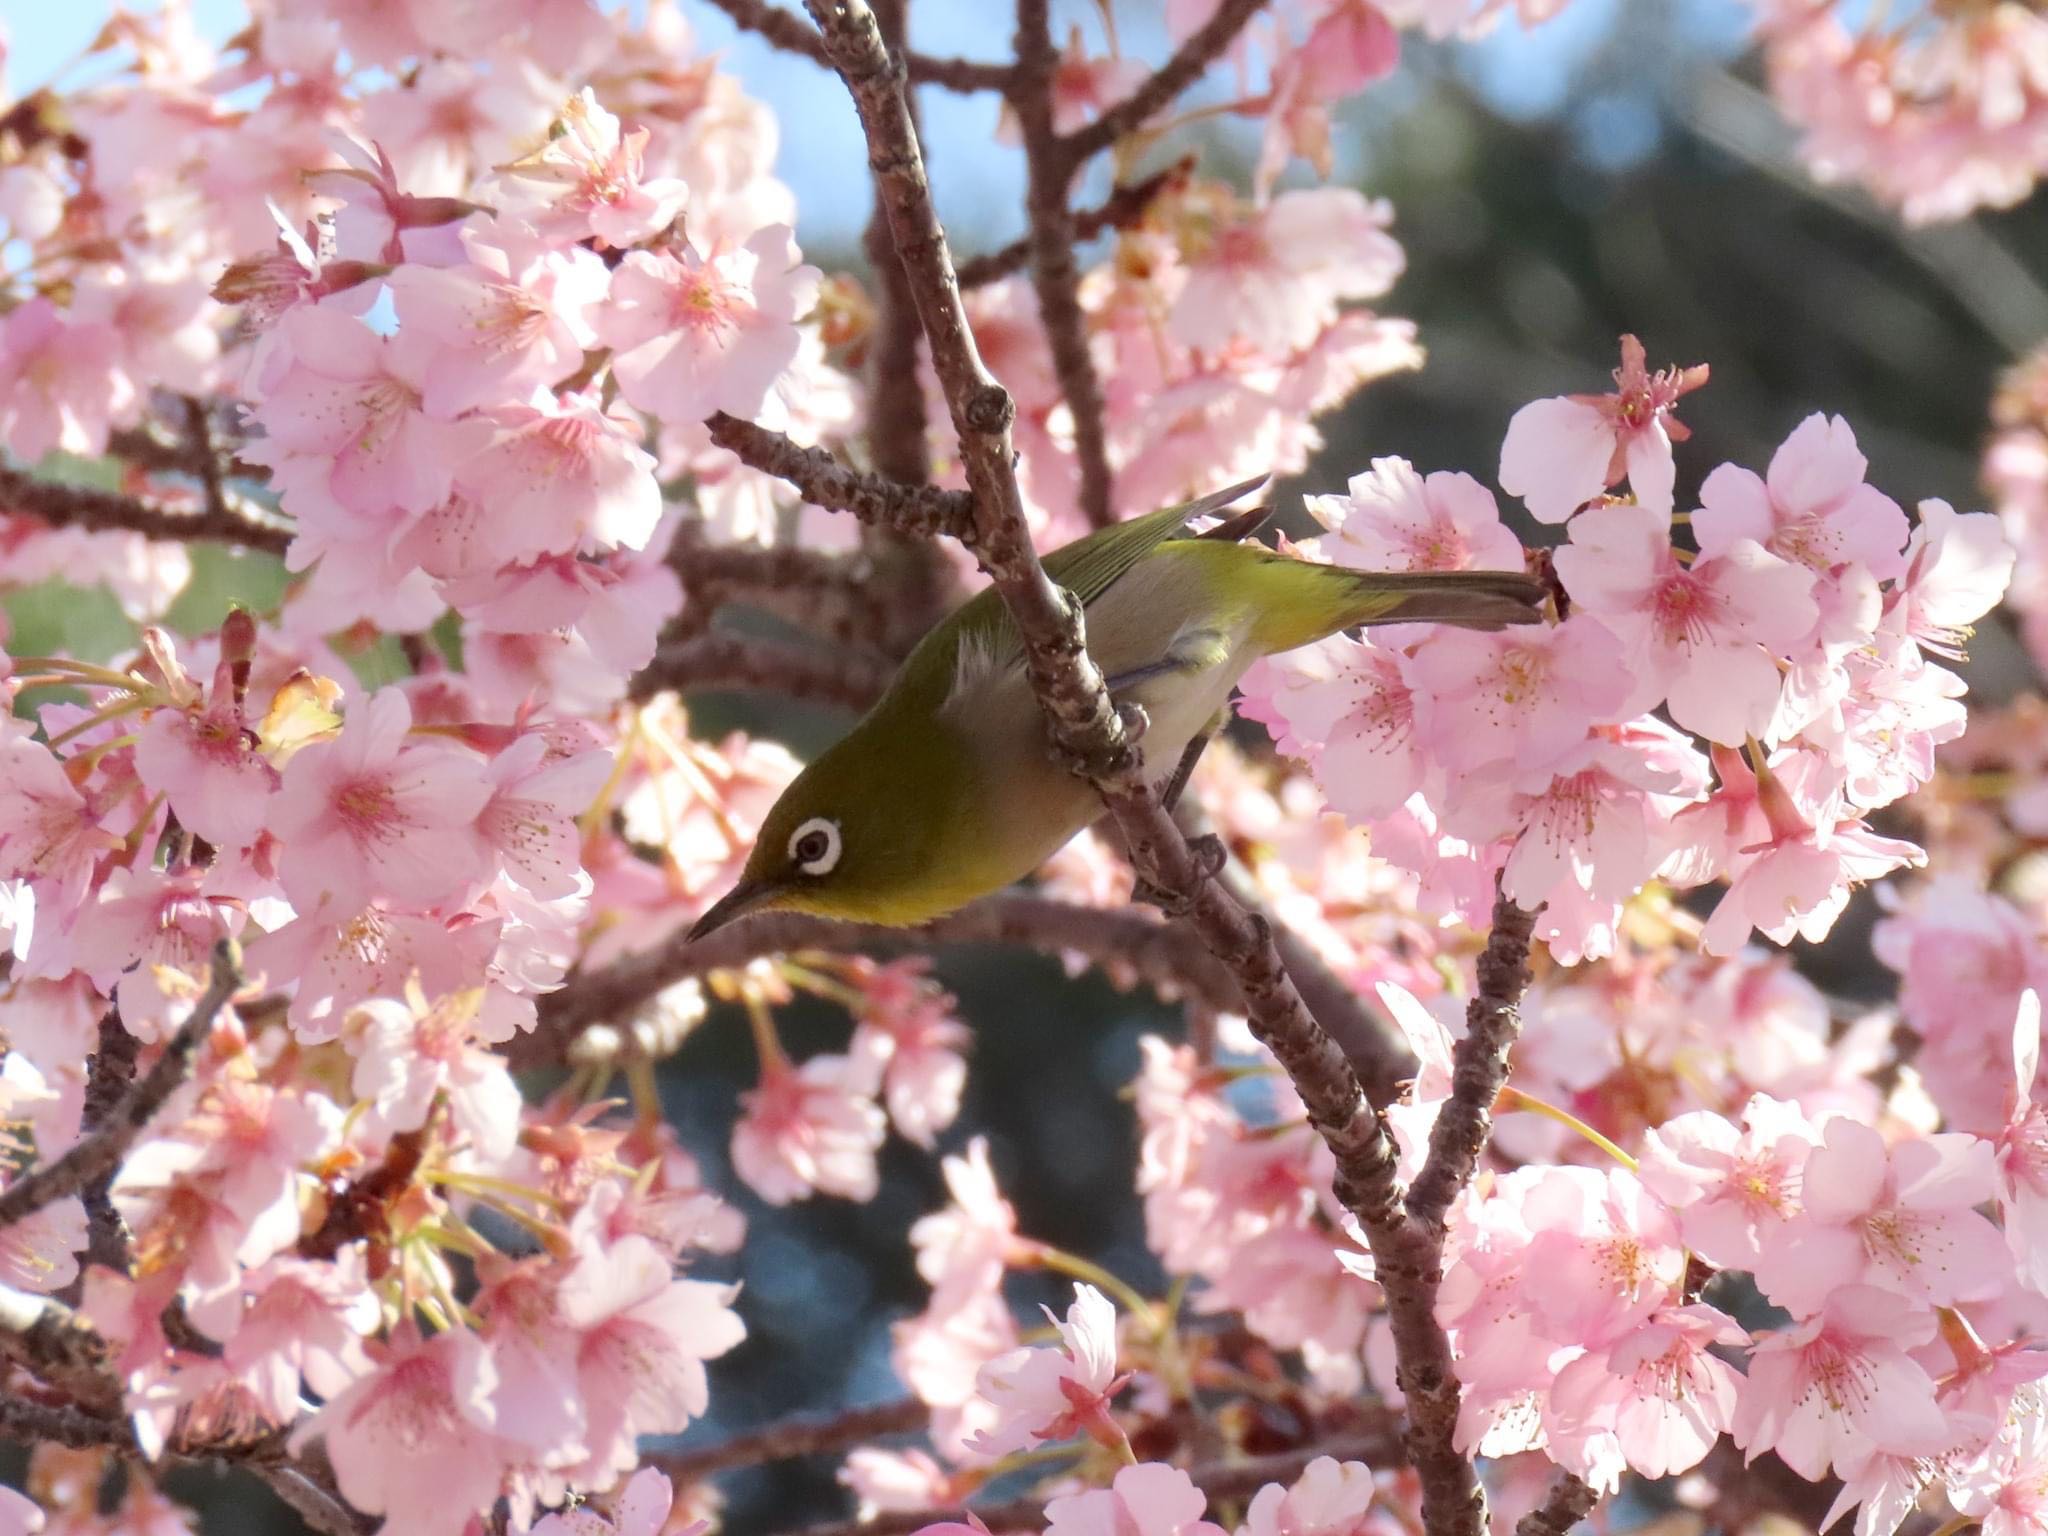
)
(1042, 1394)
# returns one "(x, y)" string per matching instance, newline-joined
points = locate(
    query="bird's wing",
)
(980, 639)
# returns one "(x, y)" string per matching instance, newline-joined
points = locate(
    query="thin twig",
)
(823, 481)
(787, 1439)
(1055, 276)
(1407, 1240)
(95, 1154)
(724, 660)
(786, 30)
(1124, 206)
(1568, 1502)
(1131, 943)
(78, 506)
(1203, 47)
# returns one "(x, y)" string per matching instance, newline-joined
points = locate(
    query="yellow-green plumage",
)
(947, 789)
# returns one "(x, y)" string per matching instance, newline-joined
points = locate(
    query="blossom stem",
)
(1511, 1099)
(774, 1059)
(1074, 1267)
(115, 711)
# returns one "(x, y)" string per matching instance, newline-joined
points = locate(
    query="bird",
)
(949, 789)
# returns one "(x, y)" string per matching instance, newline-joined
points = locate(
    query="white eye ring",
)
(820, 862)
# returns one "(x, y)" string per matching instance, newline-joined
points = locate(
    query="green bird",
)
(948, 788)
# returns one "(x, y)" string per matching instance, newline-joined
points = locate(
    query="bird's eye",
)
(814, 846)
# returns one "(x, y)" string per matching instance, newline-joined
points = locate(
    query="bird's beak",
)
(737, 902)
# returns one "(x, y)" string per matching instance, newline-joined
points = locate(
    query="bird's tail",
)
(1322, 599)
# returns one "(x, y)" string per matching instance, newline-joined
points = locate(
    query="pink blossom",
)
(1603, 1253)
(336, 959)
(1346, 707)
(408, 1052)
(1957, 568)
(1656, 1390)
(1691, 633)
(1394, 519)
(1812, 508)
(1523, 695)
(1561, 453)
(1146, 1500)
(1826, 1392)
(1082, 88)
(301, 1320)
(1271, 279)
(530, 820)
(368, 814)
(591, 179)
(40, 1252)
(1329, 1498)
(19, 1514)
(909, 1034)
(61, 383)
(1733, 1188)
(203, 760)
(2006, 1492)
(894, 1480)
(2022, 1151)
(49, 833)
(400, 1445)
(504, 322)
(645, 1336)
(641, 1508)
(963, 1250)
(1047, 1394)
(1898, 1219)
(814, 1127)
(344, 418)
(697, 333)
(550, 479)
(939, 1353)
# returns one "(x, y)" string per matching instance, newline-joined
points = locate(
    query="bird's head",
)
(855, 836)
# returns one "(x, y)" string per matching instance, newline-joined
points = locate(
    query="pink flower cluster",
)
(1938, 110)
(1792, 642)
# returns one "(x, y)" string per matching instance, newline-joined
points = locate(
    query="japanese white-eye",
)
(947, 789)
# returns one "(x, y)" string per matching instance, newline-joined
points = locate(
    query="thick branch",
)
(724, 660)
(1204, 46)
(1124, 206)
(1568, 1502)
(79, 506)
(1164, 956)
(1055, 276)
(109, 1076)
(804, 1435)
(101, 1150)
(825, 482)
(787, 31)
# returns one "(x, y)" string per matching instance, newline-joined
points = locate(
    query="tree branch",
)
(1203, 47)
(78, 506)
(787, 31)
(787, 1439)
(1129, 943)
(1568, 1502)
(1122, 208)
(1055, 277)
(724, 660)
(109, 1076)
(102, 1150)
(823, 481)
(1407, 1240)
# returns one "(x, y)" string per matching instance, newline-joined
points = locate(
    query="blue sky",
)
(1529, 75)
